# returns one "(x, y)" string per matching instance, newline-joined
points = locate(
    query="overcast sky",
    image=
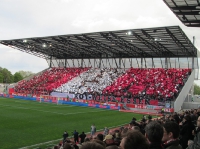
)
(37, 18)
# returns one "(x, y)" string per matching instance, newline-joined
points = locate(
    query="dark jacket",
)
(186, 134)
(75, 134)
(173, 145)
(65, 135)
(196, 143)
(156, 145)
(82, 136)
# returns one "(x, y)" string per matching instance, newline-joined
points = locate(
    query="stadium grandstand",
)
(143, 70)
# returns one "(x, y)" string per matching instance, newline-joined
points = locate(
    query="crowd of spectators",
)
(143, 83)
(153, 83)
(48, 80)
(93, 80)
(171, 131)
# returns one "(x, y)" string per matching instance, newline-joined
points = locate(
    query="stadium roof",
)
(188, 11)
(131, 43)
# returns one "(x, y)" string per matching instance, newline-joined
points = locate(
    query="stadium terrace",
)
(148, 69)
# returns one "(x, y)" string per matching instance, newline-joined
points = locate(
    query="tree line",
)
(196, 89)
(7, 77)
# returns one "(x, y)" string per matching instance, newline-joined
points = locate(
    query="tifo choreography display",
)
(143, 88)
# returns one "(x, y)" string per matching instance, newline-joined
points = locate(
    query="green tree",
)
(25, 74)
(17, 77)
(7, 75)
(1, 77)
(196, 90)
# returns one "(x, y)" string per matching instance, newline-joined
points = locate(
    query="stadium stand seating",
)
(93, 80)
(48, 80)
(152, 82)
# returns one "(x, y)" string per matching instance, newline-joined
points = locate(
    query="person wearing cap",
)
(109, 140)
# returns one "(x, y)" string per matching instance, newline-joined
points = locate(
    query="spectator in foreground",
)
(99, 142)
(154, 134)
(100, 137)
(68, 146)
(112, 147)
(171, 135)
(86, 140)
(186, 131)
(55, 147)
(196, 143)
(109, 140)
(92, 145)
(134, 139)
(135, 128)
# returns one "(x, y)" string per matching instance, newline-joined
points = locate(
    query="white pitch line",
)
(50, 111)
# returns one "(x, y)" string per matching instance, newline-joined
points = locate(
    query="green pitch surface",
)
(25, 123)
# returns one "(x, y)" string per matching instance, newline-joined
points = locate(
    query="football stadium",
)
(111, 85)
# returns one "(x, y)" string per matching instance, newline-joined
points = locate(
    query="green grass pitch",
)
(24, 123)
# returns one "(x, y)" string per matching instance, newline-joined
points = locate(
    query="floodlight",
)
(44, 45)
(129, 32)
(24, 40)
